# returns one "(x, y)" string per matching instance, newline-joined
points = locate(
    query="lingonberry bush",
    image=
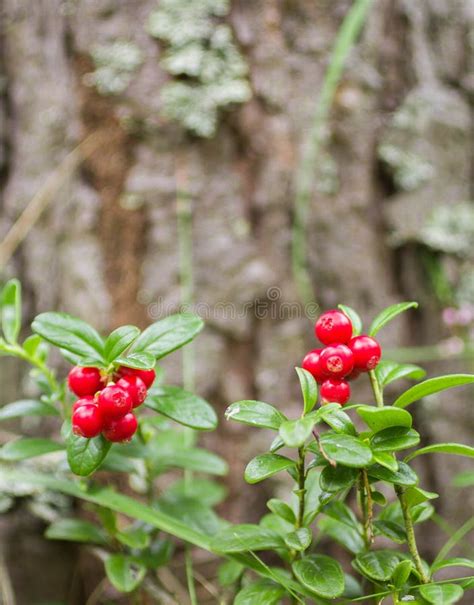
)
(351, 484)
(336, 465)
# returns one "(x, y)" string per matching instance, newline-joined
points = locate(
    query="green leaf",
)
(453, 562)
(299, 540)
(431, 386)
(336, 478)
(69, 333)
(394, 439)
(402, 573)
(340, 422)
(464, 479)
(86, 455)
(356, 321)
(75, 530)
(183, 407)
(295, 432)
(34, 345)
(119, 341)
(389, 314)
(124, 573)
(206, 491)
(378, 419)
(193, 459)
(320, 574)
(262, 592)
(458, 449)
(387, 460)
(229, 572)
(29, 447)
(347, 536)
(391, 530)
(10, 306)
(346, 449)
(309, 388)
(255, 413)
(404, 476)
(241, 538)
(389, 371)
(415, 495)
(138, 361)
(441, 594)
(133, 537)
(377, 565)
(265, 465)
(282, 509)
(168, 334)
(27, 407)
(195, 514)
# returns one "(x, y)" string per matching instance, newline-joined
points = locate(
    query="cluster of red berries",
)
(343, 358)
(105, 406)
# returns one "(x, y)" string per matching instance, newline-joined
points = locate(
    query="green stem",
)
(411, 540)
(378, 393)
(301, 488)
(366, 505)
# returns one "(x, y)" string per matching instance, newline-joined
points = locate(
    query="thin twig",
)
(322, 450)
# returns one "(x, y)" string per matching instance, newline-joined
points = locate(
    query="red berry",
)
(84, 381)
(135, 387)
(336, 361)
(87, 421)
(87, 400)
(121, 429)
(353, 375)
(148, 376)
(367, 352)
(335, 391)
(333, 327)
(312, 365)
(114, 402)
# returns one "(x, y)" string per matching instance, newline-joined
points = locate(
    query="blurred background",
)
(221, 156)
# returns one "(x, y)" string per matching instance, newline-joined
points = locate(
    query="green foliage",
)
(115, 65)
(200, 51)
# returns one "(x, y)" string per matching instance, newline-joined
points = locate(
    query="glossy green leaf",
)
(241, 538)
(320, 574)
(388, 315)
(183, 407)
(415, 495)
(348, 536)
(76, 530)
(124, 573)
(339, 421)
(389, 371)
(391, 530)
(262, 592)
(193, 459)
(431, 386)
(402, 573)
(229, 572)
(378, 419)
(169, 334)
(394, 439)
(441, 594)
(346, 449)
(341, 512)
(356, 321)
(265, 465)
(35, 346)
(377, 565)
(405, 476)
(28, 447)
(299, 539)
(133, 537)
(295, 432)
(138, 361)
(282, 509)
(336, 478)
(422, 512)
(255, 413)
(119, 341)
(69, 333)
(194, 513)
(10, 307)
(387, 460)
(27, 407)
(457, 449)
(309, 389)
(453, 562)
(86, 455)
